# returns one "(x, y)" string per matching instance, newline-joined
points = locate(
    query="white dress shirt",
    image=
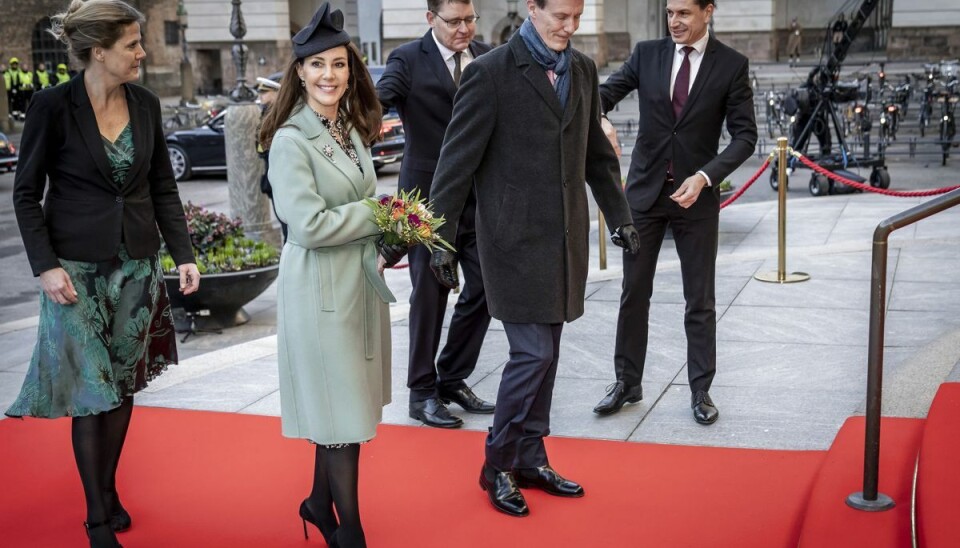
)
(696, 57)
(448, 54)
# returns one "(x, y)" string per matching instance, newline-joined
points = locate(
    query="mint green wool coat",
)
(333, 319)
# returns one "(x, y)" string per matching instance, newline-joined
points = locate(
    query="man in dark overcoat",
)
(688, 84)
(526, 128)
(420, 80)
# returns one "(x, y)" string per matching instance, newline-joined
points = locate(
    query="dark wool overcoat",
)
(531, 160)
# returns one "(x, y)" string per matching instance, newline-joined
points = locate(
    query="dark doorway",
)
(210, 72)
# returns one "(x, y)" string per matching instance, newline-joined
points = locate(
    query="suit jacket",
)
(721, 91)
(530, 156)
(333, 320)
(85, 215)
(417, 82)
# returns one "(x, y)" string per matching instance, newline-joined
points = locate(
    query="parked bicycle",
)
(776, 118)
(948, 125)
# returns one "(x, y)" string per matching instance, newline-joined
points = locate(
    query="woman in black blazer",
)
(105, 327)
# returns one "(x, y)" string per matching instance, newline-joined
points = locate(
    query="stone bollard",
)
(6, 125)
(244, 168)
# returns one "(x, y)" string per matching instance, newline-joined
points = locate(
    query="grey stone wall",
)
(757, 46)
(924, 43)
(162, 64)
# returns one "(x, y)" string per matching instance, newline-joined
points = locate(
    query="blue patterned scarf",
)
(558, 62)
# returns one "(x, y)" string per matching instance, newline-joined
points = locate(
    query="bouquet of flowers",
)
(405, 219)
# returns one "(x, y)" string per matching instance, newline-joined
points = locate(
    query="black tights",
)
(335, 479)
(97, 444)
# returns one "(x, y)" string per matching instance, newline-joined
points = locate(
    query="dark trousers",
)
(522, 418)
(428, 305)
(696, 241)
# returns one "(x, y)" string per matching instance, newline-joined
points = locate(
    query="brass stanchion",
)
(601, 234)
(781, 276)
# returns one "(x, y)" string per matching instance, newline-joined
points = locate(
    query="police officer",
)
(41, 77)
(267, 90)
(12, 81)
(62, 75)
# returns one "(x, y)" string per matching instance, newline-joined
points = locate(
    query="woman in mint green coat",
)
(333, 321)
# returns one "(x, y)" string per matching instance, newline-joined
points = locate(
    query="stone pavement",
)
(791, 358)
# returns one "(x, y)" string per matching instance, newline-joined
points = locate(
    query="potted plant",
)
(234, 269)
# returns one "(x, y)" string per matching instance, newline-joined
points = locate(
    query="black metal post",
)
(242, 93)
(870, 499)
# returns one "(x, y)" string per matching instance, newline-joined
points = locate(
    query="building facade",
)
(898, 29)
(32, 44)
(926, 30)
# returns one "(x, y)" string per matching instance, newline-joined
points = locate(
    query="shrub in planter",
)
(219, 244)
(234, 269)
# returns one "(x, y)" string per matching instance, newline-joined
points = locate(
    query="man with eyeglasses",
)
(526, 136)
(420, 81)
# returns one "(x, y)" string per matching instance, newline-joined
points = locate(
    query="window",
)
(171, 33)
(46, 48)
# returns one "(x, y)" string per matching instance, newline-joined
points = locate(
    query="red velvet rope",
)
(746, 185)
(899, 193)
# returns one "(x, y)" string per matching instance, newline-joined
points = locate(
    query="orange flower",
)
(397, 214)
(424, 231)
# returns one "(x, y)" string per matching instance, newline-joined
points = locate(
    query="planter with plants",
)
(234, 270)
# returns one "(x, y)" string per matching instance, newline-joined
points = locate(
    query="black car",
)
(202, 150)
(198, 150)
(8, 154)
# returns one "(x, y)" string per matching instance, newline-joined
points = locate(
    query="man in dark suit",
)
(687, 84)
(526, 134)
(420, 80)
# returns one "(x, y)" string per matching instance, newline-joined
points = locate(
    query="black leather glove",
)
(627, 237)
(444, 267)
(392, 253)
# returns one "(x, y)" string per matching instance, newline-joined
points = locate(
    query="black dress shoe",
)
(547, 479)
(432, 412)
(503, 492)
(618, 394)
(704, 411)
(465, 398)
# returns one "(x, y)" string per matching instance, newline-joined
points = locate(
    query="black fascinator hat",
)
(324, 31)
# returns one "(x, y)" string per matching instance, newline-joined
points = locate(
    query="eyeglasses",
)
(453, 24)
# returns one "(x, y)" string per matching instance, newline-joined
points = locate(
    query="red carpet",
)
(938, 481)
(830, 522)
(210, 480)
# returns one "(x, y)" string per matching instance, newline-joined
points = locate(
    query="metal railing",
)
(870, 499)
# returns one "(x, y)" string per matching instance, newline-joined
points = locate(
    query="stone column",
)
(591, 37)
(244, 168)
(6, 125)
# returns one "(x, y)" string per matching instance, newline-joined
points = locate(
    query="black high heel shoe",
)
(306, 515)
(105, 539)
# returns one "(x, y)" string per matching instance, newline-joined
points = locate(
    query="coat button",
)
(119, 199)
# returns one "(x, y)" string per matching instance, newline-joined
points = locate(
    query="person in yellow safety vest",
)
(13, 82)
(41, 76)
(26, 87)
(62, 74)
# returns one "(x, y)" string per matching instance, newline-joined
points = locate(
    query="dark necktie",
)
(681, 86)
(457, 68)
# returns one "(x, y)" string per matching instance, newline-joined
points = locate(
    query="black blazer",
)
(530, 157)
(417, 82)
(720, 92)
(85, 215)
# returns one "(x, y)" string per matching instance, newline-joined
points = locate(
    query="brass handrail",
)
(869, 499)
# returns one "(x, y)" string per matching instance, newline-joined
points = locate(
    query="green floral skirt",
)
(117, 337)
